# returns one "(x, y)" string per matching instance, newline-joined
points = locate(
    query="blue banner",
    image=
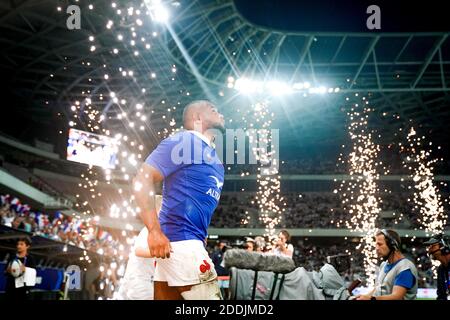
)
(48, 279)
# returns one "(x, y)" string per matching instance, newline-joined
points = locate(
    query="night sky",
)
(346, 15)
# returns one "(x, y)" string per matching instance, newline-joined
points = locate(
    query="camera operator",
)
(438, 248)
(397, 277)
(249, 245)
(282, 245)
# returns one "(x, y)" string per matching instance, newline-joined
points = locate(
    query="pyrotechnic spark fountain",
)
(134, 26)
(427, 199)
(268, 180)
(360, 193)
(129, 25)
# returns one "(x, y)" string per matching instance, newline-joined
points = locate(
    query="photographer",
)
(260, 244)
(282, 245)
(249, 244)
(438, 248)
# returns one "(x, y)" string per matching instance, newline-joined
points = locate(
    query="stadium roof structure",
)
(407, 74)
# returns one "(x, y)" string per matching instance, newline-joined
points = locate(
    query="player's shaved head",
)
(193, 111)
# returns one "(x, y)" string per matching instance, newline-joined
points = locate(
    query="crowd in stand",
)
(15, 214)
(325, 210)
(322, 210)
(235, 210)
(329, 165)
(56, 226)
(291, 167)
(232, 211)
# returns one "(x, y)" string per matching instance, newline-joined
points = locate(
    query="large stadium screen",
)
(92, 149)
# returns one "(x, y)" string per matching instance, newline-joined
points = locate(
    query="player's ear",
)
(197, 117)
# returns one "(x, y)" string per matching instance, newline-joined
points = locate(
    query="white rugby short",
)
(189, 264)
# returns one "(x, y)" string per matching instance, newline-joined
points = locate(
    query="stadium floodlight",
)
(158, 11)
(317, 90)
(161, 14)
(298, 86)
(277, 88)
(248, 86)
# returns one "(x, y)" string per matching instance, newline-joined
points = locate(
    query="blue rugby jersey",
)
(193, 180)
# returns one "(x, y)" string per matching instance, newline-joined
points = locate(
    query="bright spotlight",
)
(160, 13)
(248, 86)
(322, 90)
(297, 86)
(278, 88)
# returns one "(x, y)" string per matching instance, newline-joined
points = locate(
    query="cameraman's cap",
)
(433, 240)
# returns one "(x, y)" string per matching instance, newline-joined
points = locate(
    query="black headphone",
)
(443, 244)
(391, 242)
